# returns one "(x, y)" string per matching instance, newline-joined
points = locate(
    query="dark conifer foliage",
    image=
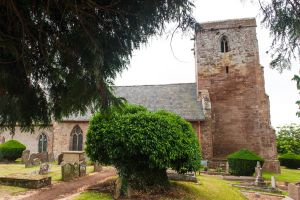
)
(59, 57)
(282, 17)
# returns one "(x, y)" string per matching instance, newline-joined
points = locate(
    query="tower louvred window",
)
(224, 44)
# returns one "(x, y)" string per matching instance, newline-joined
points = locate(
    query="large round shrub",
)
(11, 150)
(143, 144)
(290, 160)
(243, 162)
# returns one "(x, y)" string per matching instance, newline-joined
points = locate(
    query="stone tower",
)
(230, 84)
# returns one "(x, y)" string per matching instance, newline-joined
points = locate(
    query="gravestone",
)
(36, 162)
(67, 172)
(51, 157)
(76, 170)
(259, 181)
(227, 168)
(82, 169)
(60, 158)
(29, 163)
(44, 169)
(43, 156)
(25, 156)
(273, 182)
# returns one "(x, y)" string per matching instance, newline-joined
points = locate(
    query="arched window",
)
(42, 143)
(224, 44)
(76, 139)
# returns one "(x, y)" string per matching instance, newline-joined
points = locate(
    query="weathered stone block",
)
(25, 156)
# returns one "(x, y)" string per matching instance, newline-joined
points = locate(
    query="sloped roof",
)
(179, 98)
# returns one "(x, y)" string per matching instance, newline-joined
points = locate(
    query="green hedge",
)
(11, 150)
(290, 160)
(243, 162)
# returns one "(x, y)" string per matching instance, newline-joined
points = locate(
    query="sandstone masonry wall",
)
(240, 115)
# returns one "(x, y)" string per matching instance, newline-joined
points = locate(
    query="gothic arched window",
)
(76, 139)
(43, 141)
(224, 44)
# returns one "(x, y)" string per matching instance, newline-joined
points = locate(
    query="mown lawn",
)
(209, 188)
(287, 175)
(93, 195)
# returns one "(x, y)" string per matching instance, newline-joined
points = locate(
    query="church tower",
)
(230, 83)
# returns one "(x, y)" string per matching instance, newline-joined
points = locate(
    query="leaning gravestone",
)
(43, 156)
(25, 156)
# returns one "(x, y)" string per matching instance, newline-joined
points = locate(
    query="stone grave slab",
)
(32, 181)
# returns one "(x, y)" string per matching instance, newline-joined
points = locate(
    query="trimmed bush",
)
(243, 162)
(143, 144)
(11, 150)
(290, 160)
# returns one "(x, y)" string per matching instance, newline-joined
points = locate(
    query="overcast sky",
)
(156, 63)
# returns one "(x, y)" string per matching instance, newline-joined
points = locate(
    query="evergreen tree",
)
(59, 57)
(282, 17)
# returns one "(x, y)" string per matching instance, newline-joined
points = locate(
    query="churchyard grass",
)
(209, 188)
(93, 195)
(287, 175)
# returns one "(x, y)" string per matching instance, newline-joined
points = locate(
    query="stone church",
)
(227, 105)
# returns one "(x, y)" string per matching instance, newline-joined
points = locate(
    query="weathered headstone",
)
(273, 182)
(227, 168)
(44, 168)
(259, 181)
(82, 169)
(76, 170)
(51, 157)
(25, 156)
(36, 162)
(67, 171)
(30, 162)
(43, 156)
(60, 158)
